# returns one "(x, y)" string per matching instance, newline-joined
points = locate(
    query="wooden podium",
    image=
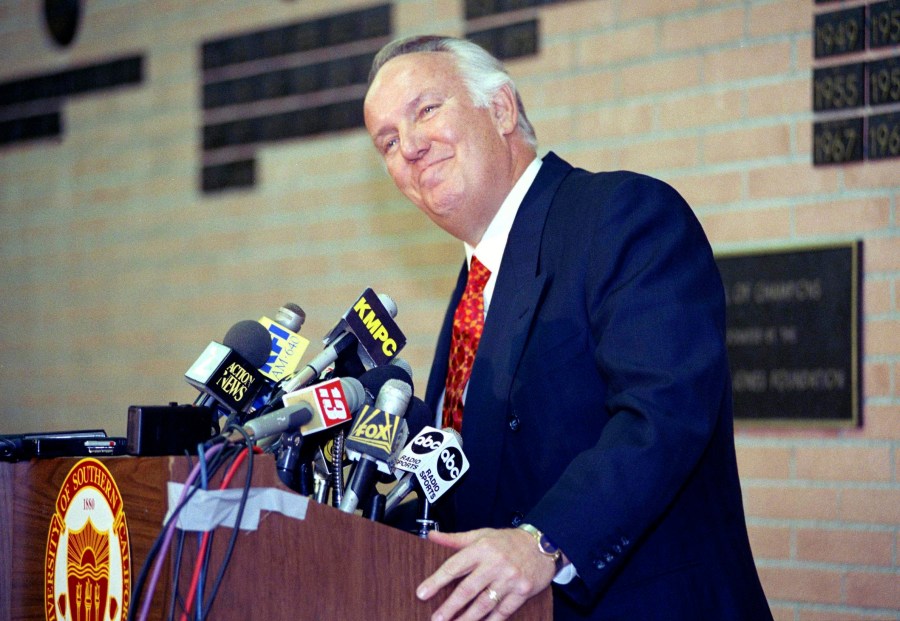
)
(329, 566)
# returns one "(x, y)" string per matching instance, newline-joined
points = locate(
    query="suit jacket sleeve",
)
(648, 379)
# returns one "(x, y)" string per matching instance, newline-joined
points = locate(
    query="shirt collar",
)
(490, 249)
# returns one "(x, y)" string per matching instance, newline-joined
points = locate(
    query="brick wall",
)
(117, 269)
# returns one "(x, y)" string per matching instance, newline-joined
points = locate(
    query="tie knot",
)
(478, 275)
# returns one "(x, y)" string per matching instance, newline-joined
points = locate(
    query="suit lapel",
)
(513, 305)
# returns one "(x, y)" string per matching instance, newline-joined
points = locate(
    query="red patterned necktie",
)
(468, 324)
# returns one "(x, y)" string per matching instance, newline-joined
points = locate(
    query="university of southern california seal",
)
(87, 566)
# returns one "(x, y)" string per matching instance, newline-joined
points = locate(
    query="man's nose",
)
(413, 143)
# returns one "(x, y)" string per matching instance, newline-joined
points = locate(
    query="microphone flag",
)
(287, 350)
(226, 376)
(379, 336)
(436, 459)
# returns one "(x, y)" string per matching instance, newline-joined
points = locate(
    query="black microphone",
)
(418, 416)
(374, 379)
(246, 338)
(376, 435)
(227, 373)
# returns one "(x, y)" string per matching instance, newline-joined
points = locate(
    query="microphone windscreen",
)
(291, 316)
(354, 393)
(374, 379)
(419, 416)
(389, 305)
(251, 340)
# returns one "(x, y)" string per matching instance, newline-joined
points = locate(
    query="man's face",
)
(450, 158)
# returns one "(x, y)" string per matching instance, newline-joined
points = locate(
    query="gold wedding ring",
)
(493, 595)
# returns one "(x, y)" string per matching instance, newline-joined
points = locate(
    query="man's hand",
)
(498, 570)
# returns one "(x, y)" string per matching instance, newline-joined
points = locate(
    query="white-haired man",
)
(597, 413)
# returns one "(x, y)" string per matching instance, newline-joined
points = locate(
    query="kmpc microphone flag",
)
(369, 320)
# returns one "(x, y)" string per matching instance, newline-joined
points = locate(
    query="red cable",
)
(195, 578)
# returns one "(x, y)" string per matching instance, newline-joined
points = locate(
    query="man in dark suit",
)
(597, 418)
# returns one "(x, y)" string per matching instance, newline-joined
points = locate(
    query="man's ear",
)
(504, 110)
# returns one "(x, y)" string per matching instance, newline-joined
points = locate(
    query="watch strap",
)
(544, 545)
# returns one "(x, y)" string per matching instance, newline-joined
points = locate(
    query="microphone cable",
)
(195, 588)
(155, 557)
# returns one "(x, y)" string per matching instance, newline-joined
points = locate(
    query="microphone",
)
(375, 378)
(276, 422)
(368, 325)
(333, 402)
(334, 407)
(376, 435)
(372, 381)
(434, 461)
(228, 372)
(249, 341)
(321, 403)
(287, 347)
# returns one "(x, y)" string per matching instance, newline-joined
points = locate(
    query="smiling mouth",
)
(431, 169)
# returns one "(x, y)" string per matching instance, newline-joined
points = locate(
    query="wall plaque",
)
(839, 88)
(793, 334)
(838, 142)
(884, 136)
(840, 32)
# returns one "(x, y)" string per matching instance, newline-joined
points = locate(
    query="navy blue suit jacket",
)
(599, 406)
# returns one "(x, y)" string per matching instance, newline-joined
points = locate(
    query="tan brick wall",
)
(116, 272)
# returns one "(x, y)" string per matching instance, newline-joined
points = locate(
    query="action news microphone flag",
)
(377, 434)
(231, 378)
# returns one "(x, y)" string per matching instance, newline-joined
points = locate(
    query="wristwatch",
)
(545, 546)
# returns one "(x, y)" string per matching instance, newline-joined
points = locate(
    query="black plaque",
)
(884, 81)
(49, 91)
(839, 88)
(884, 136)
(792, 334)
(507, 42)
(838, 142)
(884, 24)
(840, 32)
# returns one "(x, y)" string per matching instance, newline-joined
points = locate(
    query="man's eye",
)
(388, 145)
(428, 109)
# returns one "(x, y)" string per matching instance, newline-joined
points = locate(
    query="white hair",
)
(483, 74)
